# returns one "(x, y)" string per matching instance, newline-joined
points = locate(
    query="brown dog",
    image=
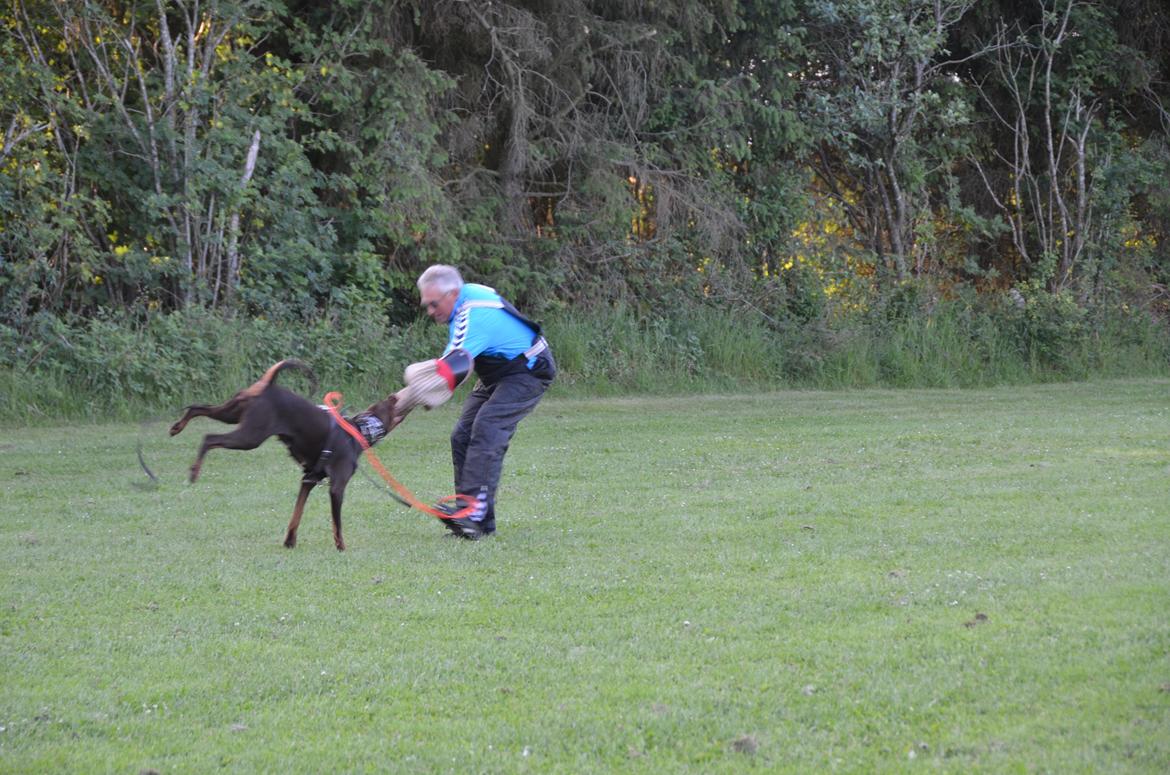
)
(313, 438)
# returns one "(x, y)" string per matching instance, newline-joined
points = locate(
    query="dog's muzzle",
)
(372, 429)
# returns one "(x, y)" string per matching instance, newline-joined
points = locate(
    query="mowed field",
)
(869, 581)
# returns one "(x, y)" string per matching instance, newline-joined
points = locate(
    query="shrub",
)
(124, 365)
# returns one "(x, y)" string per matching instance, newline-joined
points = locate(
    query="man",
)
(514, 365)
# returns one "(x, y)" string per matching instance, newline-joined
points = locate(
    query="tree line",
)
(283, 158)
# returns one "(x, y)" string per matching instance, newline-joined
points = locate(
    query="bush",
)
(130, 366)
(121, 365)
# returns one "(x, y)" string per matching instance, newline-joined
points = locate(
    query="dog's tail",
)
(269, 377)
(292, 363)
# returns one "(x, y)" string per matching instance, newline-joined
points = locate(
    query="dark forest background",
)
(704, 194)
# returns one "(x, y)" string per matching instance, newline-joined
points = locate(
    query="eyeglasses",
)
(433, 305)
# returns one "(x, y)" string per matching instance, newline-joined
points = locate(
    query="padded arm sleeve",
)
(432, 382)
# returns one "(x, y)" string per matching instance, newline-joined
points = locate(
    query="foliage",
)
(802, 162)
(888, 116)
(118, 365)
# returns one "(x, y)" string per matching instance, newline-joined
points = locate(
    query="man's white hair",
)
(443, 277)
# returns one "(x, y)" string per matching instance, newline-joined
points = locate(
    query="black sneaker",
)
(448, 509)
(465, 528)
(460, 528)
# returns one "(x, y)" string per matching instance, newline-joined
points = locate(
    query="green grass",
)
(784, 582)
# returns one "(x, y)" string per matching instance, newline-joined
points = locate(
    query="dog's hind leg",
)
(241, 438)
(290, 538)
(229, 411)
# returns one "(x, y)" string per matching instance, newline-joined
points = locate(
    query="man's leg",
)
(492, 427)
(461, 435)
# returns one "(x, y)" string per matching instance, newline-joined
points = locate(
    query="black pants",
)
(484, 431)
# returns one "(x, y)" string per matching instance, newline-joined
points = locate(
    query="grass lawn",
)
(802, 581)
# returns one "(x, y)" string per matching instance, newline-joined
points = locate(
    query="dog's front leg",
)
(290, 538)
(337, 483)
(336, 495)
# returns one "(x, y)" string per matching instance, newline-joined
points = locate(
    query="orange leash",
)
(333, 404)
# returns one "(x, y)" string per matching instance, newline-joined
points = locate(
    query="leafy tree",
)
(889, 118)
(294, 159)
(1058, 167)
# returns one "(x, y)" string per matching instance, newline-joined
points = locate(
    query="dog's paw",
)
(174, 430)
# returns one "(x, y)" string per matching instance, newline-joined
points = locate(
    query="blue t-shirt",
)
(482, 326)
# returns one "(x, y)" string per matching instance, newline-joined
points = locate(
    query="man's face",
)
(438, 304)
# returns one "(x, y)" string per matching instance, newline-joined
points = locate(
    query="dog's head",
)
(378, 420)
(404, 401)
(386, 411)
